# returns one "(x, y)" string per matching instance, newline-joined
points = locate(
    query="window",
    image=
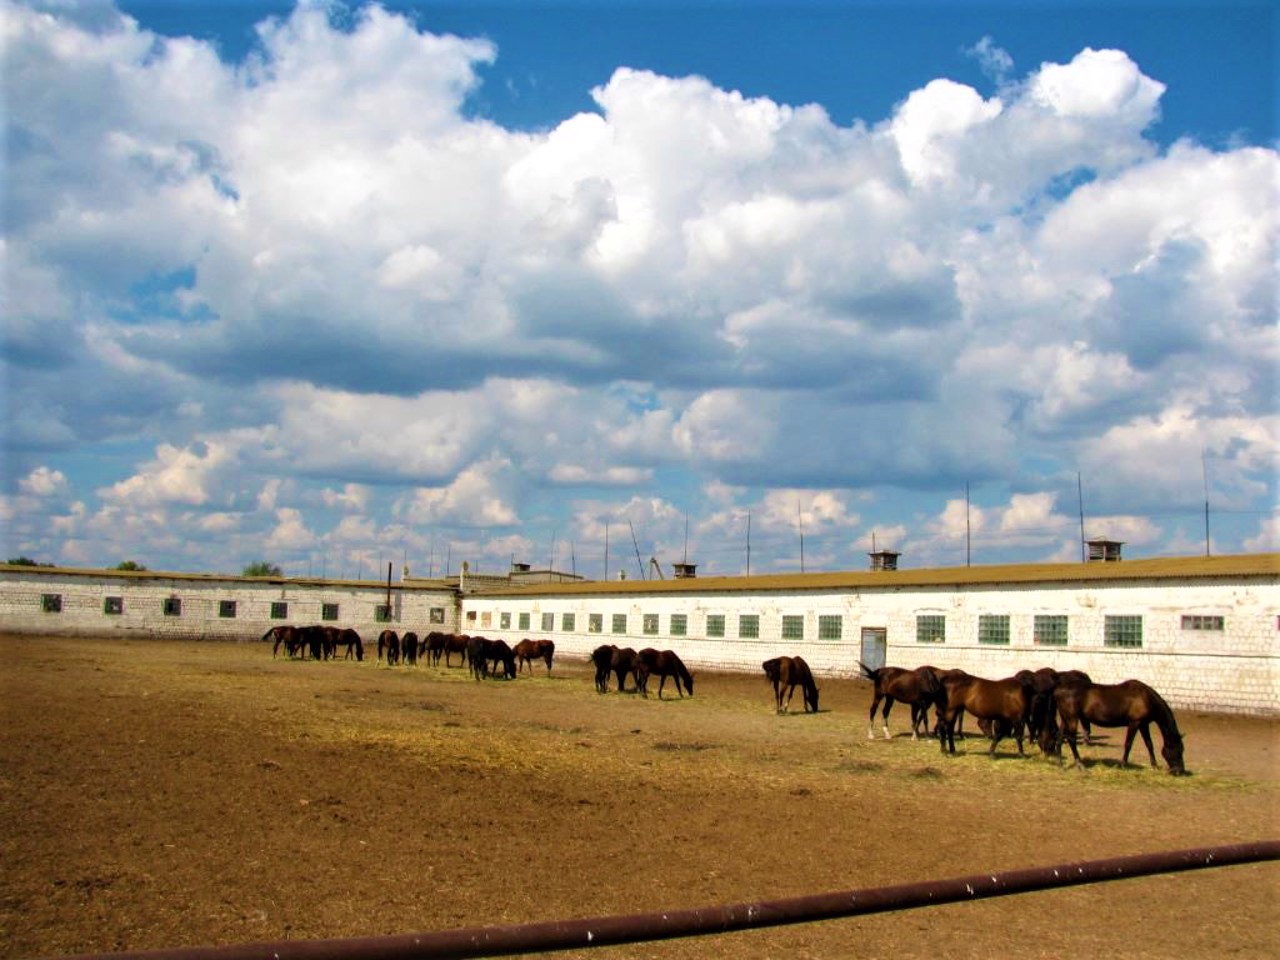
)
(619, 623)
(227, 608)
(51, 603)
(1122, 632)
(436, 615)
(114, 606)
(595, 623)
(382, 613)
(650, 624)
(568, 622)
(471, 617)
(279, 610)
(328, 611)
(679, 624)
(931, 628)
(1051, 630)
(172, 606)
(792, 627)
(522, 621)
(548, 622)
(993, 628)
(486, 619)
(830, 627)
(715, 624)
(749, 626)
(504, 621)
(1198, 622)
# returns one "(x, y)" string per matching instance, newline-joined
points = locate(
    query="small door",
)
(875, 640)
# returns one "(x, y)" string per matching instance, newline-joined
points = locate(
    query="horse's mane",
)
(1163, 714)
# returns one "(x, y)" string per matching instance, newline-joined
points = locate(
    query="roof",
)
(142, 575)
(1264, 566)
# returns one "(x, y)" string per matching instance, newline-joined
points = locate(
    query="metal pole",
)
(619, 929)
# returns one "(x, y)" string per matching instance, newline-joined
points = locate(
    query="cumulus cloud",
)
(328, 324)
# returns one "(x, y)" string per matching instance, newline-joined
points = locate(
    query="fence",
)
(621, 929)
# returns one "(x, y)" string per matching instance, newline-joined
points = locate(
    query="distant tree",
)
(27, 562)
(129, 565)
(262, 569)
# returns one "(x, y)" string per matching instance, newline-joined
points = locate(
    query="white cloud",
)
(175, 476)
(43, 482)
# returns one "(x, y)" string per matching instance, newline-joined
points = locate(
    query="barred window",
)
(650, 624)
(1198, 622)
(595, 623)
(328, 611)
(279, 610)
(436, 615)
(931, 628)
(51, 603)
(993, 628)
(172, 606)
(113, 606)
(1051, 630)
(679, 624)
(749, 626)
(227, 608)
(523, 621)
(830, 627)
(504, 620)
(619, 623)
(548, 622)
(792, 627)
(715, 625)
(381, 613)
(1122, 631)
(568, 621)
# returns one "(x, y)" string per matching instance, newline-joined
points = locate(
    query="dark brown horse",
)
(1006, 704)
(1131, 704)
(602, 659)
(625, 663)
(920, 687)
(663, 663)
(409, 649)
(787, 673)
(455, 643)
(389, 646)
(527, 651)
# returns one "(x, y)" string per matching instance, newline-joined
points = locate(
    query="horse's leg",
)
(871, 717)
(1128, 743)
(1145, 730)
(1068, 732)
(888, 705)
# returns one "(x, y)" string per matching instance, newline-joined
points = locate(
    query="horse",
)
(921, 687)
(602, 658)
(456, 643)
(1132, 705)
(527, 651)
(665, 663)
(282, 636)
(434, 646)
(478, 656)
(346, 638)
(389, 643)
(499, 651)
(789, 673)
(409, 649)
(1005, 703)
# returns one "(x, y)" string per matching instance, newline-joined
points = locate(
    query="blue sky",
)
(335, 285)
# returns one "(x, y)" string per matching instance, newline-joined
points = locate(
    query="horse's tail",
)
(268, 635)
(872, 675)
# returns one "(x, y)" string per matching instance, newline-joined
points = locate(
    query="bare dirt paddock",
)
(157, 794)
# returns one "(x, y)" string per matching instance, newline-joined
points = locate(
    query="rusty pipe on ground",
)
(554, 935)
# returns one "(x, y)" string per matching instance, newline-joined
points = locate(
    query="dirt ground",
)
(157, 794)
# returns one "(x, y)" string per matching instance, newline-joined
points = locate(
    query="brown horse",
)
(455, 643)
(1004, 703)
(1131, 704)
(788, 673)
(664, 663)
(920, 687)
(602, 658)
(527, 651)
(389, 645)
(625, 662)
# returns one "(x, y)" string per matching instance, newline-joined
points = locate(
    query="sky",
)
(757, 286)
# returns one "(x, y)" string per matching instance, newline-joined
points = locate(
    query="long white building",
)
(1205, 631)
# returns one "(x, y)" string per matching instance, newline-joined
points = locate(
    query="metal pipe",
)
(620, 929)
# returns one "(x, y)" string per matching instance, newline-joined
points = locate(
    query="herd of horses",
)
(1048, 707)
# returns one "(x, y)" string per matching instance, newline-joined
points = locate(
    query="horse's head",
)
(1172, 753)
(812, 696)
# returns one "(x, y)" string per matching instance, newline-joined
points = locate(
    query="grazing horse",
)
(602, 659)
(435, 643)
(347, 638)
(1004, 703)
(282, 636)
(788, 673)
(1131, 704)
(626, 661)
(499, 651)
(665, 664)
(478, 656)
(389, 644)
(527, 651)
(409, 649)
(456, 643)
(921, 687)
